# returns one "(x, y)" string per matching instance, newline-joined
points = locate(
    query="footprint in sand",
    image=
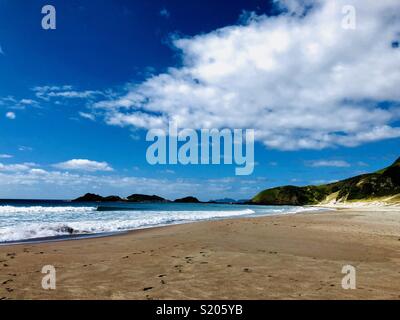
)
(189, 260)
(7, 281)
(147, 288)
(179, 267)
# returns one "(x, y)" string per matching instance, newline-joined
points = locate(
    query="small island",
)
(187, 200)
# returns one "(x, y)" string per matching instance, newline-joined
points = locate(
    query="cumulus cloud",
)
(10, 115)
(83, 165)
(329, 163)
(299, 79)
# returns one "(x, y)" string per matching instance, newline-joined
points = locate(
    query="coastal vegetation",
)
(382, 185)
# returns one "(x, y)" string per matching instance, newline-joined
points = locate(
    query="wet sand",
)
(279, 257)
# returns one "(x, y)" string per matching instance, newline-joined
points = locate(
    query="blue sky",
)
(70, 93)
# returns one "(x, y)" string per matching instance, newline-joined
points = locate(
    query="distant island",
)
(187, 200)
(145, 198)
(135, 198)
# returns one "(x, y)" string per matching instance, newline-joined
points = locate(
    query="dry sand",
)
(280, 257)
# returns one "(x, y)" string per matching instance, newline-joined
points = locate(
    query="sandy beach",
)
(278, 257)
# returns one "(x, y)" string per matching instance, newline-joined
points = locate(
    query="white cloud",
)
(83, 165)
(38, 171)
(295, 7)
(17, 167)
(25, 148)
(328, 163)
(88, 116)
(11, 115)
(27, 102)
(13, 103)
(67, 92)
(5, 156)
(299, 79)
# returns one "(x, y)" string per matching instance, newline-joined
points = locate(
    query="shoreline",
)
(83, 236)
(61, 238)
(296, 256)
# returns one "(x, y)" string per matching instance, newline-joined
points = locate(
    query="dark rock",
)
(65, 229)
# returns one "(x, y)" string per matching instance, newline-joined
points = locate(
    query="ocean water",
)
(22, 220)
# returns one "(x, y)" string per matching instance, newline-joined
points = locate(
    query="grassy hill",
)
(384, 183)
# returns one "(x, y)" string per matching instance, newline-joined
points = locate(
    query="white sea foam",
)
(42, 209)
(97, 222)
